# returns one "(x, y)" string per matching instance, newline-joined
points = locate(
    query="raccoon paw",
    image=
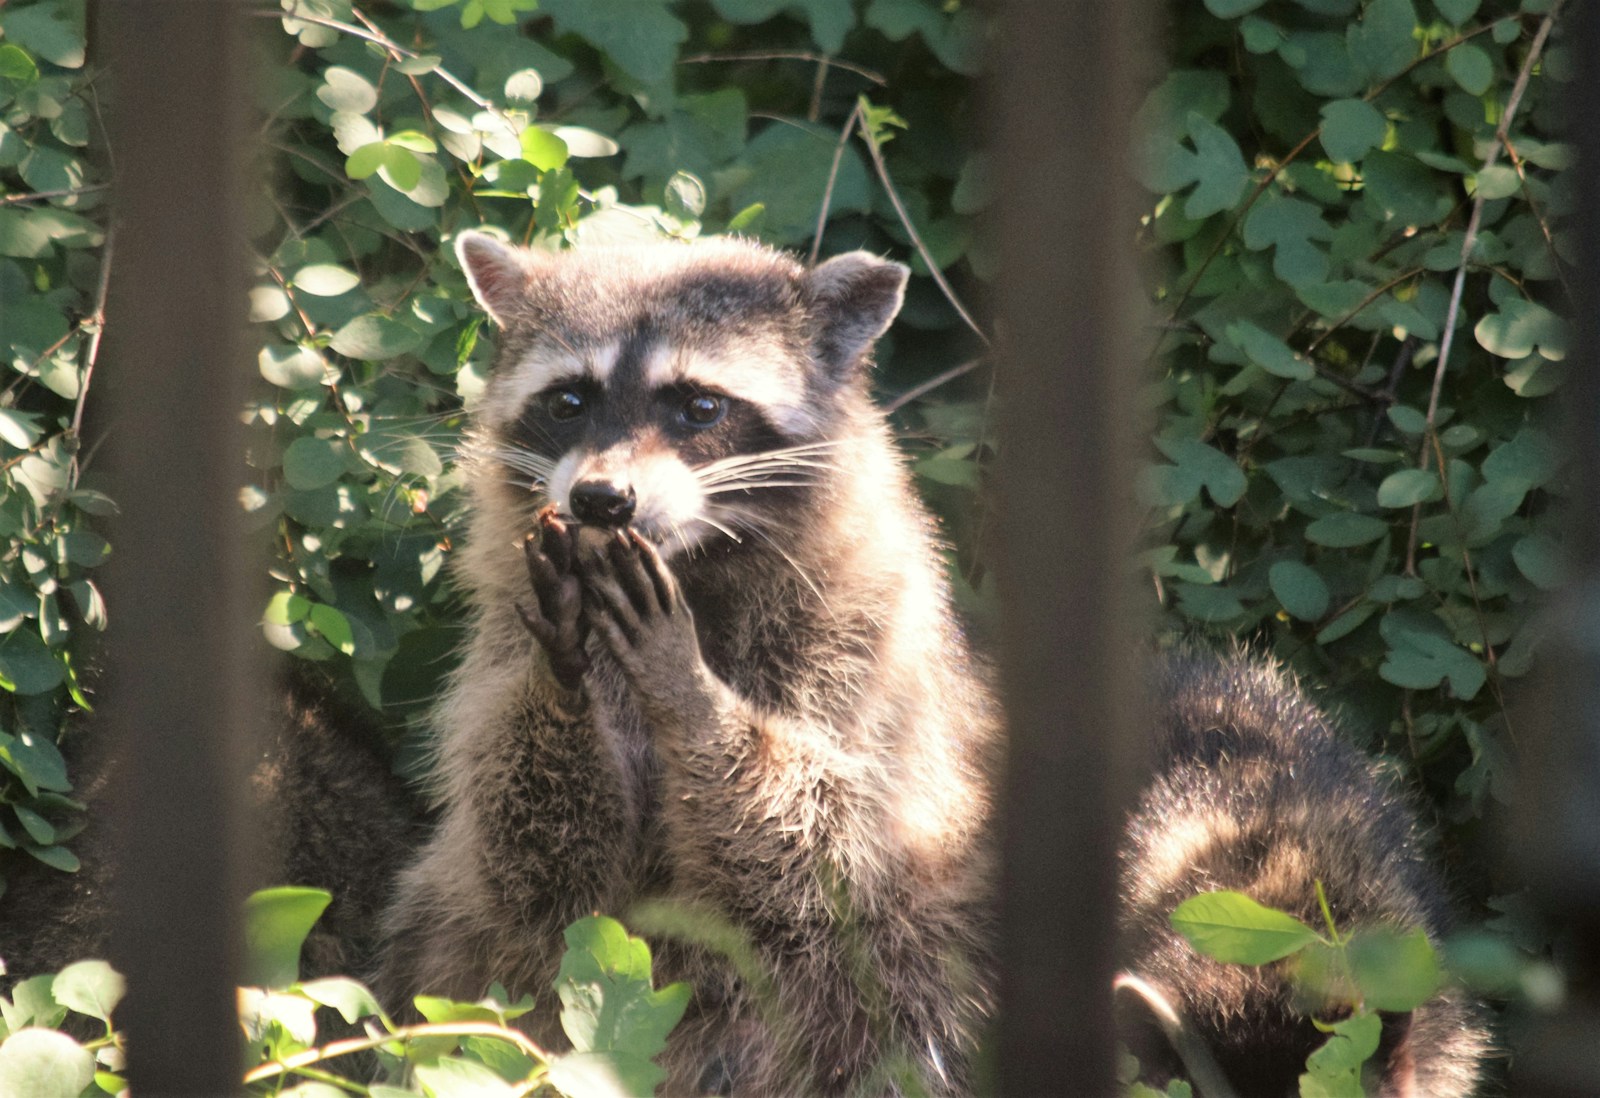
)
(555, 616)
(637, 608)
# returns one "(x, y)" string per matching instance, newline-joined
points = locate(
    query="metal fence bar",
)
(178, 674)
(1062, 104)
(1557, 830)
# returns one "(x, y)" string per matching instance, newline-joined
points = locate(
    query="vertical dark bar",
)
(1066, 300)
(177, 673)
(1557, 830)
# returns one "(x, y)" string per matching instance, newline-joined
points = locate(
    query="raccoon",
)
(712, 661)
(1254, 790)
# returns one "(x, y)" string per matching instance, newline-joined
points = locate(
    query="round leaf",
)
(313, 462)
(41, 1063)
(1470, 67)
(1408, 487)
(326, 279)
(1350, 128)
(1345, 529)
(89, 987)
(1299, 589)
(543, 149)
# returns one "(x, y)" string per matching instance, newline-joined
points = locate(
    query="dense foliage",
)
(1353, 229)
(1362, 284)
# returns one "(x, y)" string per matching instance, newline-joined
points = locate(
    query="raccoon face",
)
(693, 392)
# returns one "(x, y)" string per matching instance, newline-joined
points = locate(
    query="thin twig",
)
(931, 384)
(780, 55)
(882, 169)
(402, 1033)
(97, 321)
(41, 196)
(386, 43)
(1470, 240)
(833, 176)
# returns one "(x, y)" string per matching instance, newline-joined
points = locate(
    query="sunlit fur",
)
(1255, 791)
(835, 810)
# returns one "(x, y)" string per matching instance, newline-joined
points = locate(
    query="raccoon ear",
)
(497, 272)
(853, 298)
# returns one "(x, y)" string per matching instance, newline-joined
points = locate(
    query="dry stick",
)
(98, 320)
(916, 238)
(403, 1033)
(833, 175)
(931, 384)
(389, 44)
(41, 196)
(1468, 242)
(766, 55)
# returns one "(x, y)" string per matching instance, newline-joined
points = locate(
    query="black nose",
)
(601, 503)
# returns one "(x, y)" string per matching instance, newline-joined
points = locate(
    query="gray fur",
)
(1254, 791)
(816, 737)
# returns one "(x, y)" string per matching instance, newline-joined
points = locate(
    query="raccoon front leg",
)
(555, 617)
(753, 802)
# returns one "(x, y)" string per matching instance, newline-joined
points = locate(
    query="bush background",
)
(1353, 235)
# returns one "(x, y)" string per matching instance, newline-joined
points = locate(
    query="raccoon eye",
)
(564, 404)
(704, 410)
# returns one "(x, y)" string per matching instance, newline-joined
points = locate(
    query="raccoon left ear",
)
(853, 299)
(498, 273)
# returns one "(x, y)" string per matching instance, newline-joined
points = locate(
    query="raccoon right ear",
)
(498, 273)
(854, 297)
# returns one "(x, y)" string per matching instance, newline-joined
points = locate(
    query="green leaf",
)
(1530, 459)
(1219, 167)
(1334, 1070)
(685, 196)
(366, 160)
(333, 626)
(20, 429)
(463, 1079)
(607, 1003)
(524, 86)
(48, 30)
(1290, 225)
(291, 367)
(93, 988)
(1540, 559)
(374, 338)
(312, 462)
(15, 64)
(351, 999)
(347, 90)
(1395, 972)
(1469, 66)
(641, 36)
(1423, 657)
(400, 167)
(1402, 187)
(604, 1075)
(1231, 927)
(1408, 487)
(1208, 466)
(325, 279)
(277, 921)
(37, 827)
(41, 1063)
(1269, 352)
(785, 169)
(27, 666)
(1298, 589)
(1345, 530)
(1383, 42)
(1351, 128)
(1232, 9)
(1457, 12)
(1520, 328)
(543, 149)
